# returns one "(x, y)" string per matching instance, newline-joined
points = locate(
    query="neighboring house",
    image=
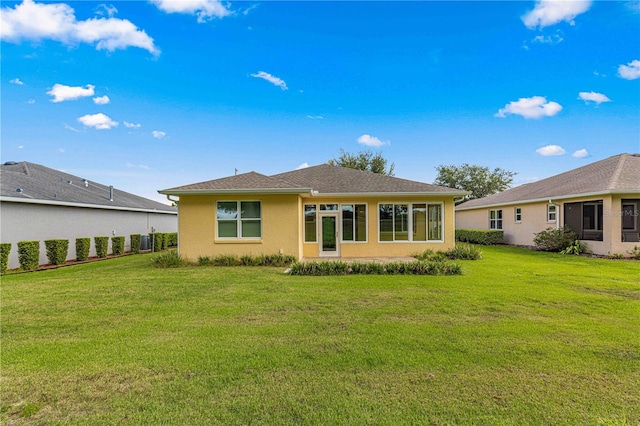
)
(313, 212)
(599, 201)
(39, 203)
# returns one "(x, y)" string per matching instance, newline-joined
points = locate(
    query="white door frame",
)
(321, 216)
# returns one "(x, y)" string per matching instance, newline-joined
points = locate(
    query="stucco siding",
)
(24, 221)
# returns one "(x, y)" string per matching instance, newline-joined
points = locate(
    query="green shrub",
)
(57, 251)
(226, 260)
(117, 245)
(29, 255)
(577, 247)
(552, 239)
(102, 245)
(135, 243)
(429, 254)
(277, 260)
(205, 261)
(83, 245)
(635, 252)
(248, 260)
(439, 267)
(157, 241)
(462, 251)
(165, 240)
(480, 236)
(168, 259)
(5, 249)
(172, 239)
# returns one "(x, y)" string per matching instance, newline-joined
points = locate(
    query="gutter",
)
(82, 205)
(556, 198)
(301, 191)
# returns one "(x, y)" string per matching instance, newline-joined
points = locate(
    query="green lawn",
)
(521, 338)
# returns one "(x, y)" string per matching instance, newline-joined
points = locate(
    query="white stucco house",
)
(40, 203)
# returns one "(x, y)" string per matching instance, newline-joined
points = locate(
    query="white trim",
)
(496, 220)
(301, 191)
(82, 205)
(383, 194)
(555, 212)
(238, 220)
(336, 215)
(515, 214)
(366, 234)
(304, 224)
(410, 222)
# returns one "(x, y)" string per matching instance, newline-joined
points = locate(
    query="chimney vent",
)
(86, 183)
(110, 192)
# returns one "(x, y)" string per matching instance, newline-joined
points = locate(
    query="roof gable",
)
(29, 181)
(619, 173)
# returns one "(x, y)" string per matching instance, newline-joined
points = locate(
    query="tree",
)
(479, 180)
(364, 160)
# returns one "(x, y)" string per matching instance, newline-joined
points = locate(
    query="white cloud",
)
(16, 81)
(548, 39)
(534, 107)
(593, 97)
(315, 117)
(98, 121)
(57, 21)
(203, 9)
(631, 71)
(581, 153)
(109, 10)
(551, 150)
(31, 101)
(131, 125)
(20, 146)
(302, 166)
(101, 100)
(551, 12)
(271, 79)
(369, 140)
(62, 93)
(158, 134)
(66, 126)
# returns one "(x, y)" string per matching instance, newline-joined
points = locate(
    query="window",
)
(354, 222)
(629, 214)
(592, 216)
(551, 212)
(328, 207)
(518, 212)
(410, 222)
(239, 219)
(310, 223)
(495, 219)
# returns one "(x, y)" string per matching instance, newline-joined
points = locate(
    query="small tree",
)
(102, 245)
(83, 245)
(57, 251)
(29, 255)
(364, 160)
(555, 239)
(478, 180)
(117, 245)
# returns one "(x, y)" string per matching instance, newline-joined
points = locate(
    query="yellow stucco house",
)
(600, 202)
(320, 211)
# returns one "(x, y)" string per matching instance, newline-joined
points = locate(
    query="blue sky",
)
(151, 95)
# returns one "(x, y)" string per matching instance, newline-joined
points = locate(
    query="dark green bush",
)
(172, 239)
(5, 249)
(83, 245)
(135, 243)
(552, 239)
(277, 260)
(117, 245)
(480, 236)
(463, 251)
(577, 248)
(204, 261)
(29, 254)
(57, 251)
(226, 260)
(157, 241)
(168, 259)
(102, 245)
(374, 268)
(165, 241)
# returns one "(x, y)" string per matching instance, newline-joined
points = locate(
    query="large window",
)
(410, 222)
(310, 223)
(592, 216)
(495, 219)
(239, 219)
(354, 222)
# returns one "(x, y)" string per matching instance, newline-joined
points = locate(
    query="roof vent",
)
(20, 190)
(69, 181)
(86, 183)
(10, 163)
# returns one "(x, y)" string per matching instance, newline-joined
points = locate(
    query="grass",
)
(522, 338)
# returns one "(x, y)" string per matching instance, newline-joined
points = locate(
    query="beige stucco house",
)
(599, 201)
(320, 211)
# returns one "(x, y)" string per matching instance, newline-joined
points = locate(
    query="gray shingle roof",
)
(30, 181)
(620, 173)
(322, 179)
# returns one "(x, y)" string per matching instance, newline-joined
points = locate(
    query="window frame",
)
(315, 223)
(366, 222)
(239, 220)
(633, 216)
(495, 220)
(554, 213)
(410, 226)
(518, 214)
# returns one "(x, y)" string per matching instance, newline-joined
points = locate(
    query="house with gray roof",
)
(599, 201)
(320, 211)
(40, 203)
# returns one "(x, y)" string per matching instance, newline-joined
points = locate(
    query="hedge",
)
(135, 243)
(172, 239)
(29, 254)
(157, 240)
(479, 236)
(117, 245)
(5, 249)
(57, 251)
(83, 245)
(102, 245)
(439, 267)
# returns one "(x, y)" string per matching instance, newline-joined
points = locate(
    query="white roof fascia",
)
(82, 205)
(556, 198)
(386, 194)
(237, 191)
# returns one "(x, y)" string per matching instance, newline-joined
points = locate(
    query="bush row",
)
(479, 236)
(418, 267)
(58, 249)
(163, 240)
(277, 260)
(461, 251)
